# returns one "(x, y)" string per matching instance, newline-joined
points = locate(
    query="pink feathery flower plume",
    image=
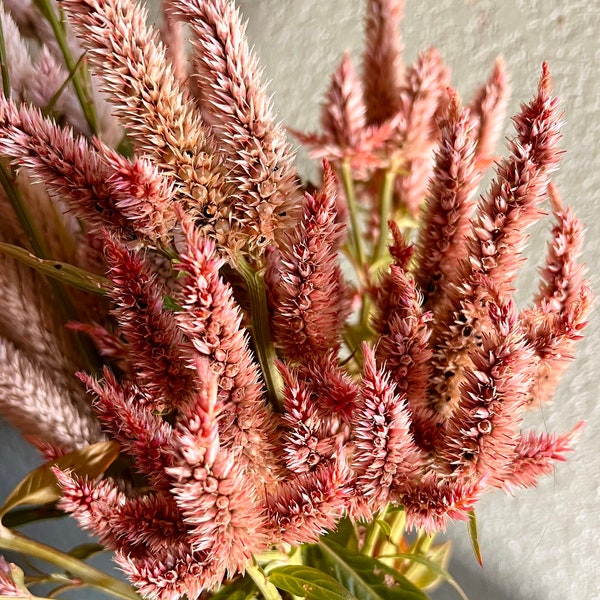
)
(319, 399)
(307, 505)
(160, 117)
(496, 241)
(561, 307)
(127, 415)
(154, 343)
(446, 216)
(211, 321)
(257, 156)
(535, 456)
(480, 436)
(309, 299)
(421, 100)
(403, 342)
(386, 459)
(218, 501)
(131, 199)
(382, 68)
(434, 500)
(345, 134)
(147, 534)
(488, 107)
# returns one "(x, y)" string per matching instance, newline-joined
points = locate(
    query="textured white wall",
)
(543, 543)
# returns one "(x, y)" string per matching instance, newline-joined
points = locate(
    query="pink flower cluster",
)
(425, 411)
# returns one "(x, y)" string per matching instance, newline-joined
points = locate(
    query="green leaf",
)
(40, 486)
(243, 589)
(84, 551)
(63, 272)
(344, 535)
(474, 537)
(432, 565)
(363, 575)
(309, 583)
(385, 527)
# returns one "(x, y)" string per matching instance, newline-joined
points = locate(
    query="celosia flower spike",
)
(345, 134)
(480, 436)
(218, 500)
(488, 107)
(445, 220)
(156, 346)
(127, 415)
(307, 505)
(416, 137)
(562, 304)
(403, 345)
(159, 116)
(535, 456)
(161, 570)
(385, 457)
(382, 60)
(131, 199)
(512, 204)
(309, 298)
(319, 401)
(434, 500)
(258, 159)
(211, 321)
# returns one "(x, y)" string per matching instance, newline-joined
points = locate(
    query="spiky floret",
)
(449, 204)
(154, 343)
(307, 505)
(488, 107)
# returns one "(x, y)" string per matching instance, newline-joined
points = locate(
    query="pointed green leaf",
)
(363, 575)
(345, 534)
(84, 551)
(63, 272)
(40, 486)
(474, 537)
(432, 564)
(309, 583)
(385, 527)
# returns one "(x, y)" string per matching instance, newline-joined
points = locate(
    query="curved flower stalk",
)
(407, 392)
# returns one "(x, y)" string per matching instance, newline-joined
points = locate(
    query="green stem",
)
(356, 236)
(421, 546)
(261, 330)
(82, 90)
(373, 533)
(385, 209)
(266, 588)
(4, 64)
(10, 540)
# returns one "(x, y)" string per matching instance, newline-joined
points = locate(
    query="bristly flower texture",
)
(257, 396)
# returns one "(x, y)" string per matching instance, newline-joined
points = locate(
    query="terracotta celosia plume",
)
(258, 397)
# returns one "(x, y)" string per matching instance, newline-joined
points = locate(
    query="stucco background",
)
(542, 544)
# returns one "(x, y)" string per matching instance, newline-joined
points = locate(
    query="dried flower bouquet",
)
(257, 420)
